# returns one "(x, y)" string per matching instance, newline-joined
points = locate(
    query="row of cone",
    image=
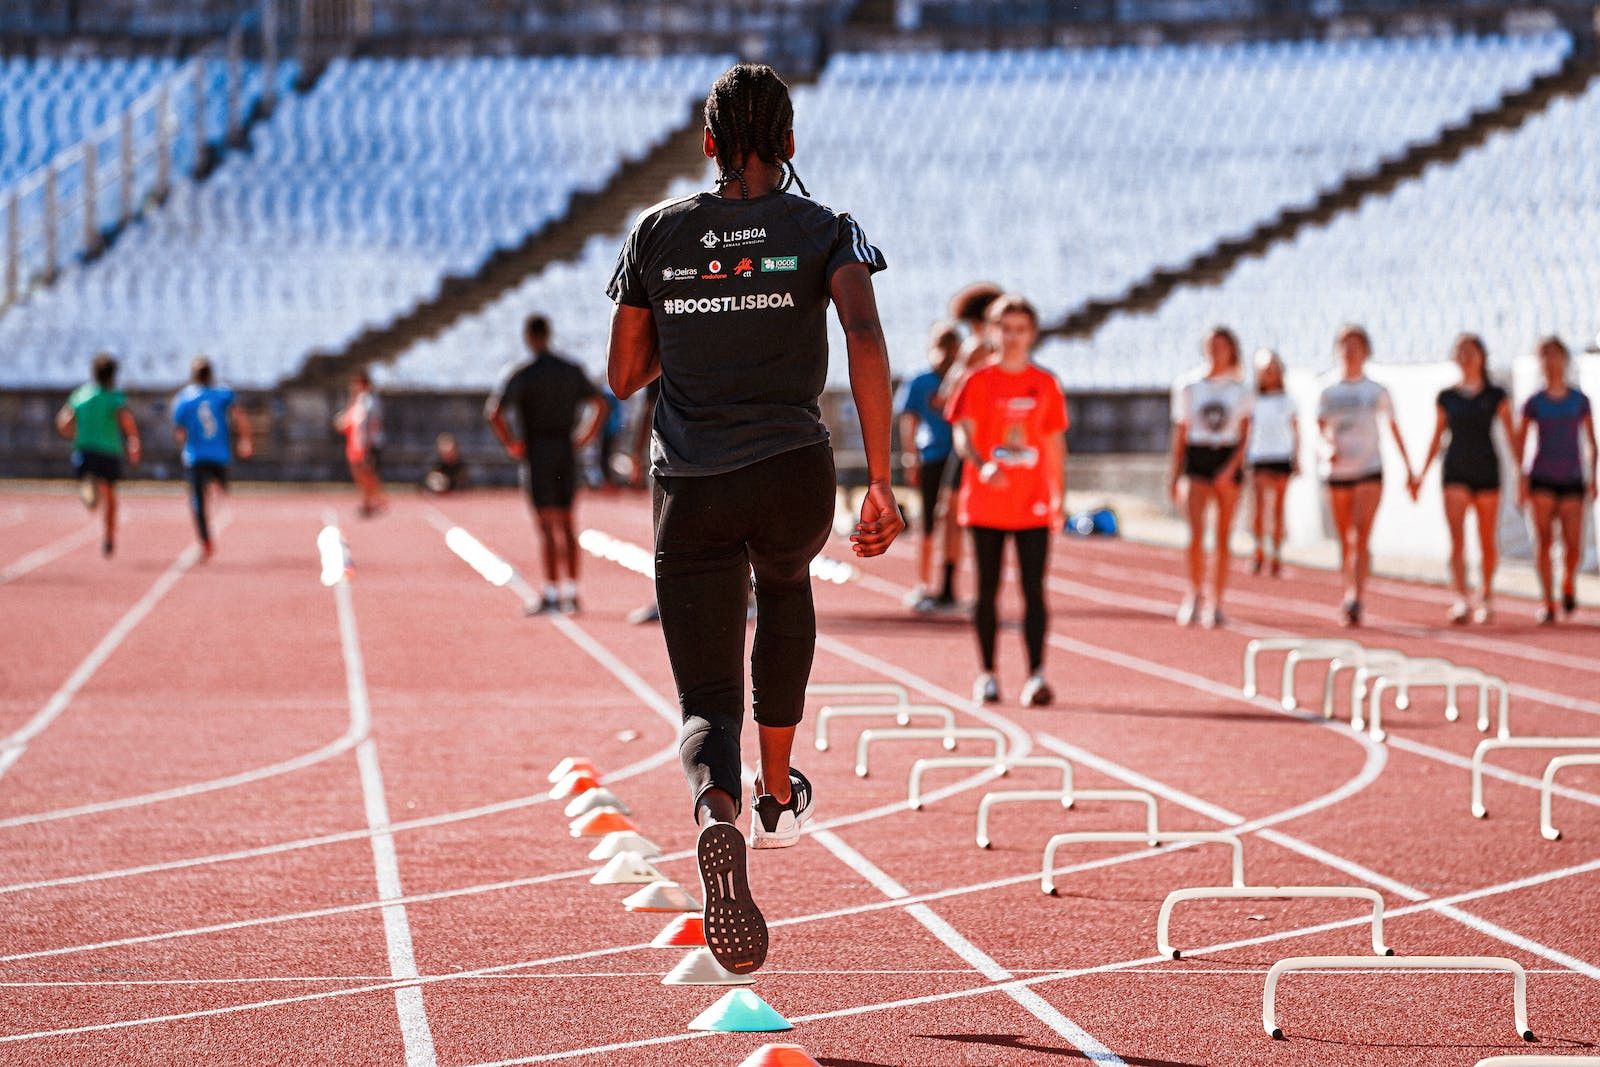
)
(596, 811)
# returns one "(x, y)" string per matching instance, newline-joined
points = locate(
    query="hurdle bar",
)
(1299, 648)
(1489, 745)
(859, 689)
(1047, 880)
(1268, 892)
(1004, 766)
(1439, 672)
(902, 716)
(1536, 1060)
(1355, 662)
(1068, 798)
(1547, 785)
(1519, 989)
(1422, 672)
(917, 733)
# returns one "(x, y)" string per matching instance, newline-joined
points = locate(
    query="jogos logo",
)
(774, 264)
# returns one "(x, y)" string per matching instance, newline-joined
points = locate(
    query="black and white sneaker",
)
(1037, 693)
(736, 931)
(775, 825)
(986, 690)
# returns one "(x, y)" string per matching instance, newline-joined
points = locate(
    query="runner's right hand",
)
(881, 522)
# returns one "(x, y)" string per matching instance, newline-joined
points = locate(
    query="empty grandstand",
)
(356, 200)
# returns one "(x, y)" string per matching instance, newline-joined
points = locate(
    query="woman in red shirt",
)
(1010, 422)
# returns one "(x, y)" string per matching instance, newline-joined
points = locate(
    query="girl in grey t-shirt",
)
(1349, 416)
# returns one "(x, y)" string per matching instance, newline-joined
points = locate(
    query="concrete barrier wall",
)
(296, 440)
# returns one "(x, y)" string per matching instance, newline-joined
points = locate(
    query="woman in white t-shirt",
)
(1211, 408)
(1273, 455)
(1348, 416)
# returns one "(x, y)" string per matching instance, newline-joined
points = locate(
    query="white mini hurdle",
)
(1491, 744)
(1047, 880)
(1268, 892)
(1519, 989)
(1004, 766)
(914, 733)
(1356, 662)
(1548, 784)
(903, 714)
(1299, 648)
(859, 689)
(1067, 797)
(1427, 673)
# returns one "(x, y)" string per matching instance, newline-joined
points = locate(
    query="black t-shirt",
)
(545, 392)
(739, 293)
(1470, 420)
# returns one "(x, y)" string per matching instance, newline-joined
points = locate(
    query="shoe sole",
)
(736, 932)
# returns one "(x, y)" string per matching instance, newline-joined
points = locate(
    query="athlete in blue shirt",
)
(925, 443)
(203, 413)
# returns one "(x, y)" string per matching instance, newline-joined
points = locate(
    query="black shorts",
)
(102, 465)
(930, 479)
(1473, 481)
(202, 473)
(1376, 478)
(1284, 467)
(1204, 462)
(552, 472)
(1559, 490)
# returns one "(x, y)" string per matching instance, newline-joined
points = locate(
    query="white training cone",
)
(701, 968)
(620, 841)
(626, 868)
(584, 803)
(570, 764)
(662, 896)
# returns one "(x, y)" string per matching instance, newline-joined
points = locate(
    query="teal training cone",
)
(740, 1011)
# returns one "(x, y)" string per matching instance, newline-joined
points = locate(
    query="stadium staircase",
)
(1451, 143)
(636, 186)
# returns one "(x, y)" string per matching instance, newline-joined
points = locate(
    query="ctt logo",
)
(744, 268)
(710, 240)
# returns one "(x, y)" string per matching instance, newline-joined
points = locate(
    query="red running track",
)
(246, 818)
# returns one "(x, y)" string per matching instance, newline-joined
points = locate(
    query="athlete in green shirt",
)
(97, 421)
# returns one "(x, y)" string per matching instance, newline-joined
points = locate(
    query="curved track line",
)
(46, 554)
(333, 748)
(17, 741)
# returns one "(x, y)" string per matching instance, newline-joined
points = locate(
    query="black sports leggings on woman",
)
(1033, 548)
(772, 518)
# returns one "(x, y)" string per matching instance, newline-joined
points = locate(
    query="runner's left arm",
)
(244, 434)
(851, 289)
(130, 434)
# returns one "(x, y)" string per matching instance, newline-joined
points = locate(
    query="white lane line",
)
(257, 774)
(414, 1029)
(1051, 976)
(49, 553)
(17, 742)
(970, 953)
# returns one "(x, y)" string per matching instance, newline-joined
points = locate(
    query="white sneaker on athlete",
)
(986, 690)
(1187, 610)
(1037, 693)
(777, 825)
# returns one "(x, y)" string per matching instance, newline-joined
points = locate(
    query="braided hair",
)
(748, 111)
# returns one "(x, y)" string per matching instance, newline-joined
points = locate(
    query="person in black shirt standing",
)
(1471, 472)
(547, 393)
(724, 296)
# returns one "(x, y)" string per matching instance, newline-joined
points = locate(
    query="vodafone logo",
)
(716, 266)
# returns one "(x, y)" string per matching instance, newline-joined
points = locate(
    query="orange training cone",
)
(600, 822)
(570, 764)
(779, 1056)
(573, 784)
(686, 931)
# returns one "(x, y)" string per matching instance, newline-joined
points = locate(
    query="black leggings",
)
(771, 517)
(1033, 549)
(202, 474)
